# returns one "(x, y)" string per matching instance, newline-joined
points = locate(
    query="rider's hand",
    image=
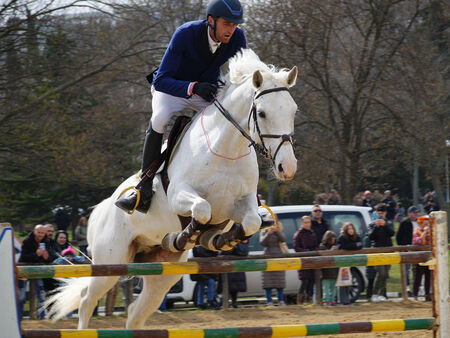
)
(205, 90)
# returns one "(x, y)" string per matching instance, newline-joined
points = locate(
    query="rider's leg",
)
(151, 152)
(163, 107)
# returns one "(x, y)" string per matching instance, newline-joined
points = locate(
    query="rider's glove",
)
(205, 90)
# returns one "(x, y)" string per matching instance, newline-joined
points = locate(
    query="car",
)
(290, 216)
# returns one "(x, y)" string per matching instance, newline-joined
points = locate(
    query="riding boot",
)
(300, 298)
(152, 151)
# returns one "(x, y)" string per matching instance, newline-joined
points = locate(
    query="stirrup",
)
(138, 199)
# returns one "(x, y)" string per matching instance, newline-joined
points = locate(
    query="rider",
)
(187, 78)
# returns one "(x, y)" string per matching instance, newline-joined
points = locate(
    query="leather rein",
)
(260, 148)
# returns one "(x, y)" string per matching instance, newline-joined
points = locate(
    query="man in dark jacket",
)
(380, 233)
(405, 232)
(36, 249)
(390, 205)
(187, 78)
(237, 282)
(318, 224)
(305, 240)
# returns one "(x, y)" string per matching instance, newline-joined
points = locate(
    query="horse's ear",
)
(292, 76)
(257, 79)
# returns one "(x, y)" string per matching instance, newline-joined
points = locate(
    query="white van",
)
(290, 216)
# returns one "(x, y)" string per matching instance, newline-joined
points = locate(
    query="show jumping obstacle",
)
(437, 260)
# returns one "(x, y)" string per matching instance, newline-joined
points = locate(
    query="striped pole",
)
(245, 332)
(175, 268)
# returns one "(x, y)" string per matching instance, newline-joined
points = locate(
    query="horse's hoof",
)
(185, 242)
(168, 242)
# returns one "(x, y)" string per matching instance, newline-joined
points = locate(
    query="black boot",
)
(152, 151)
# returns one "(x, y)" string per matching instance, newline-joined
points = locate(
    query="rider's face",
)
(224, 29)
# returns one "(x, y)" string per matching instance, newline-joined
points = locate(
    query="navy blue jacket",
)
(188, 58)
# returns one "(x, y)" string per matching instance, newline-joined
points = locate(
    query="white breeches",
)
(164, 105)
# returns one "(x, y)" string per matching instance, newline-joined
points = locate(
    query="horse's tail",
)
(67, 297)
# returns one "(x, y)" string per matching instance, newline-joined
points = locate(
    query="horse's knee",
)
(201, 211)
(251, 224)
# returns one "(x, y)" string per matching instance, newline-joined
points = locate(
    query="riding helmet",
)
(230, 10)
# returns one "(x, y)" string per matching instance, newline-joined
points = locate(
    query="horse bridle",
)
(262, 149)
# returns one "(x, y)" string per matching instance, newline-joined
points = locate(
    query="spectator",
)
(421, 236)
(68, 257)
(318, 224)
(380, 233)
(36, 249)
(81, 235)
(50, 231)
(205, 281)
(367, 201)
(404, 234)
(348, 240)
(271, 239)
(334, 198)
(399, 212)
(390, 205)
(61, 241)
(62, 219)
(431, 202)
(329, 275)
(305, 240)
(237, 281)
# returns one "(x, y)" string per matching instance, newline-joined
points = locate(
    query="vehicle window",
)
(336, 219)
(290, 221)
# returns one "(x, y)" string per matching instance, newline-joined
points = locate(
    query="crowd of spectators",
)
(44, 246)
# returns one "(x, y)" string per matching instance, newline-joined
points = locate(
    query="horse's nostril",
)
(280, 168)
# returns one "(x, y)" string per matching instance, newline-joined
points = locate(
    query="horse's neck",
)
(223, 137)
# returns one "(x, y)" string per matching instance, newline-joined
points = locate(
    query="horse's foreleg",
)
(246, 213)
(185, 201)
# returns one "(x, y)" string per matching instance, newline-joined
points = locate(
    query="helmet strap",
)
(214, 28)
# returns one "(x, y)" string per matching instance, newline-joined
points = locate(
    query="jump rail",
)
(245, 332)
(176, 268)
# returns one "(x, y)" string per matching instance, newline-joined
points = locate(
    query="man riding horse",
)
(187, 78)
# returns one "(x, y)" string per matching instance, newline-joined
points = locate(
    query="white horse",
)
(213, 178)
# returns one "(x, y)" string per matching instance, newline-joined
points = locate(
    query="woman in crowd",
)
(329, 275)
(348, 240)
(421, 236)
(271, 239)
(61, 242)
(305, 240)
(81, 235)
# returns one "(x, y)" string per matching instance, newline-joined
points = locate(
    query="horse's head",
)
(271, 121)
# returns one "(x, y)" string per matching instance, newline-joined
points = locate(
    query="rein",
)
(262, 149)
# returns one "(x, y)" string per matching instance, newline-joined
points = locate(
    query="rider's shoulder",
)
(191, 26)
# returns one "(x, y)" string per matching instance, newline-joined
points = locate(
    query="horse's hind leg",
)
(97, 287)
(150, 298)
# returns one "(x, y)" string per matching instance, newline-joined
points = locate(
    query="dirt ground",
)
(265, 316)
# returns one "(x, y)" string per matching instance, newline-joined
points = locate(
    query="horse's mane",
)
(245, 63)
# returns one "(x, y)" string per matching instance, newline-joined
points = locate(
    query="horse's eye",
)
(262, 114)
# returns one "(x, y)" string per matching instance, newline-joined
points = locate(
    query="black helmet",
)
(230, 10)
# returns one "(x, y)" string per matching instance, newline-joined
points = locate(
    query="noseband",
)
(262, 149)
